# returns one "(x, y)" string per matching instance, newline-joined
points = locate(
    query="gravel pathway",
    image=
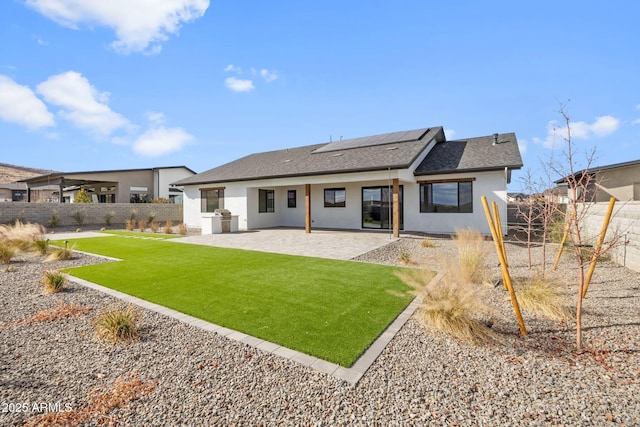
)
(422, 378)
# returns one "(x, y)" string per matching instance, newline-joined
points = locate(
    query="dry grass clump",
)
(154, 226)
(41, 245)
(117, 324)
(451, 305)
(182, 229)
(20, 232)
(142, 225)
(472, 254)
(54, 282)
(125, 389)
(130, 224)
(540, 295)
(7, 251)
(405, 258)
(60, 311)
(20, 237)
(168, 227)
(428, 243)
(60, 254)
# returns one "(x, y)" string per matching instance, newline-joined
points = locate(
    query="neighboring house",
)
(411, 180)
(113, 186)
(619, 180)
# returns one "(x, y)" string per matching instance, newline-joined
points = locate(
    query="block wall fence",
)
(94, 214)
(625, 222)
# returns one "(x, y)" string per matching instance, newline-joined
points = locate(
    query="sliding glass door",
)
(377, 207)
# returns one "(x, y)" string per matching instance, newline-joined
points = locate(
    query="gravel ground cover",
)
(191, 377)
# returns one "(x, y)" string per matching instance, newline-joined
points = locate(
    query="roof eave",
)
(452, 171)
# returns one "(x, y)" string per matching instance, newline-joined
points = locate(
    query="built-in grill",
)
(225, 221)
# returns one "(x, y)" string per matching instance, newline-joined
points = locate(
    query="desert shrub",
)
(451, 305)
(7, 252)
(60, 254)
(20, 232)
(130, 224)
(168, 227)
(54, 282)
(471, 255)
(557, 226)
(108, 218)
(60, 311)
(117, 324)
(405, 258)
(41, 245)
(182, 228)
(428, 243)
(540, 295)
(54, 220)
(101, 404)
(132, 215)
(78, 217)
(150, 218)
(161, 200)
(154, 226)
(142, 225)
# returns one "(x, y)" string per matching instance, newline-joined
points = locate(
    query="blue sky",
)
(122, 84)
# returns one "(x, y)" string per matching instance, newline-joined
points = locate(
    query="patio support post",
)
(60, 199)
(307, 207)
(396, 207)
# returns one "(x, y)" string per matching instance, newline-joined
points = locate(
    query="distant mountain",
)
(12, 173)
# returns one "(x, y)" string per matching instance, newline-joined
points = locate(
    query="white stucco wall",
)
(242, 199)
(168, 176)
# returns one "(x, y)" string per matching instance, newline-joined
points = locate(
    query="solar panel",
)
(367, 141)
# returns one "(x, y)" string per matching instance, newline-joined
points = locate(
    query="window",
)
(212, 199)
(335, 197)
(266, 201)
(446, 197)
(291, 198)
(139, 198)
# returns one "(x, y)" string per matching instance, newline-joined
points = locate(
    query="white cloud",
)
(239, 85)
(449, 133)
(81, 103)
(233, 68)
(602, 126)
(160, 141)
(140, 25)
(268, 76)
(155, 118)
(18, 104)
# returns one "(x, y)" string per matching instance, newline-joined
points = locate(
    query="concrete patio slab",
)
(334, 244)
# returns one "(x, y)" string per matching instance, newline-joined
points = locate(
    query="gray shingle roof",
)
(343, 157)
(473, 154)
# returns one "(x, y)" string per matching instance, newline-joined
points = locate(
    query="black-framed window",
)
(212, 199)
(291, 198)
(266, 201)
(335, 197)
(446, 197)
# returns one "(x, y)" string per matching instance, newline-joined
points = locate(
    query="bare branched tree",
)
(582, 188)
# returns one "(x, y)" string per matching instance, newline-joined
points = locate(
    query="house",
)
(619, 180)
(112, 186)
(410, 180)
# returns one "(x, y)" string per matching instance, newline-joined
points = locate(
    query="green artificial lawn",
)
(326, 308)
(140, 234)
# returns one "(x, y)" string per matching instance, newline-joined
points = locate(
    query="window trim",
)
(335, 204)
(424, 191)
(267, 208)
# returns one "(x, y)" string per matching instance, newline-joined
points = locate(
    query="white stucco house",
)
(410, 180)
